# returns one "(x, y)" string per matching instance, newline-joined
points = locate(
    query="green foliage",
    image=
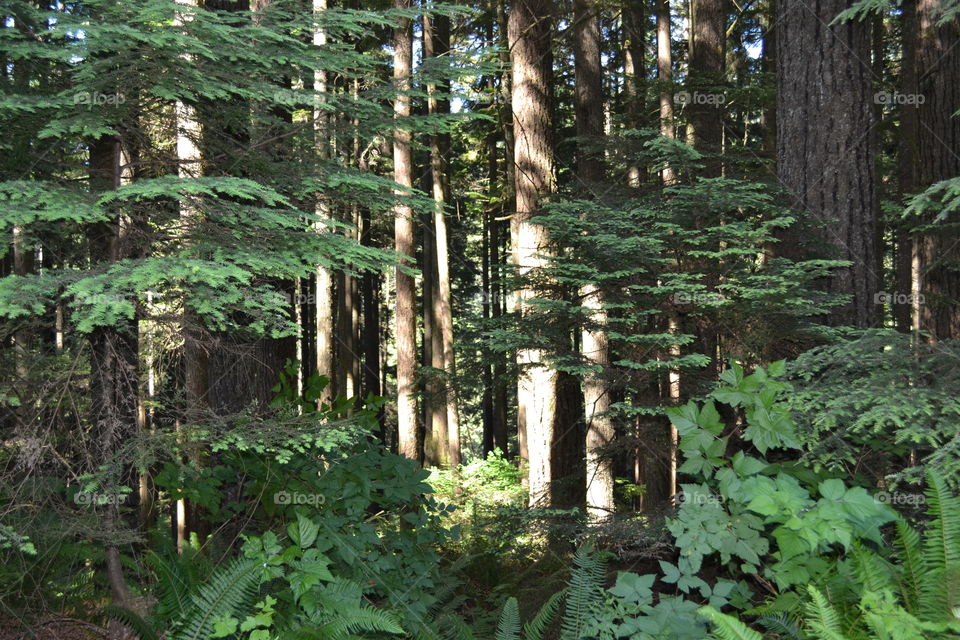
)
(728, 627)
(310, 600)
(177, 577)
(489, 481)
(224, 595)
(583, 594)
(912, 596)
(868, 405)
(692, 254)
(10, 539)
(752, 513)
(629, 610)
(508, 626)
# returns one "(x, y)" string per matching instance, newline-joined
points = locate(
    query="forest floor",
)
(62, 628)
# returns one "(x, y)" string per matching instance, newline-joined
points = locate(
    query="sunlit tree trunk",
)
(405, 320)
(634, 30)
(434, 409)
(530, 32)
(195, 355)
(323, 292)
(665, 76)
(436, 41)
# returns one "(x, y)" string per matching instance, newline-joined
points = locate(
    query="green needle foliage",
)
(880, 406)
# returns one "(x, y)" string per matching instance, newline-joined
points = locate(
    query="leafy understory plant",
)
(913, 596)
(765, 522)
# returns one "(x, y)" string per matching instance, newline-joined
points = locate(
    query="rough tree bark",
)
(405, 318)
(437, 45)
(706, 75)
(936, 254)
(824, 150)
(530, 32)
(323, 292)
(114, 359)
(594, 342)
(665, 77)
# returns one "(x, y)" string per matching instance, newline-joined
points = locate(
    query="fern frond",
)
(822, 617)
(360, 620)
(458, 629)
(508, 627)
(941, 586)
(132, 619)
(223, 594)
(727, 627)
(445, 626)
(535, 628)
(871, 570)
(428, 630)
(585, 590)
(177, 577)
(781, 624)
(913, 566)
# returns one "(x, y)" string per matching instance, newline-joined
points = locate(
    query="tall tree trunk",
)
(768, 65)
(486, 264)
(24, 263)
(706, 74)
(708, 38)
(665, 76)
(595, 346)
(498, 243)
(436, 40)
(405, 320)
(530, 32)
(114, 376)
(324, 292)
(434, 410)
(908, 155)
(634, 32)
(370, 293)
(937, 253)
(824, 152)
(195, 355)
(588, 105)
(346, 351)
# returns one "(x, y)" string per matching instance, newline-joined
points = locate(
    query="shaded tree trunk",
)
(824, 150)
(768, 66)
(936, 254)
(634, 33)
(594, 343)
(114, 360)
(706, 77)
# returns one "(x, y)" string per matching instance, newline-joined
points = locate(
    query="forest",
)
(480, 319)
